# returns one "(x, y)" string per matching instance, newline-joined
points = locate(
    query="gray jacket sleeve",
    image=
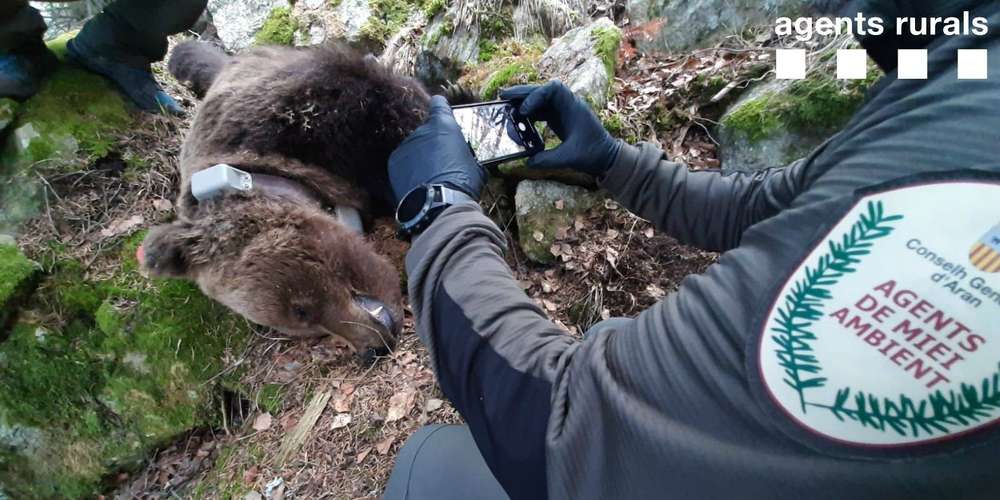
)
(707, 209)
(508, 369)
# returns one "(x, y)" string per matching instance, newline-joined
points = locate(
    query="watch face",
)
(412, 205)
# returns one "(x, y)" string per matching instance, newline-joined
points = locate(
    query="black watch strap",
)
(437, 199)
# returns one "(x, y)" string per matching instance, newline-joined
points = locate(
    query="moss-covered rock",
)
(781, 121)
(385, 19)
(510, 63)
(585, 59)
(76, 116)
(279, 28)
(98, 374)
(18, 277)
(543, 207)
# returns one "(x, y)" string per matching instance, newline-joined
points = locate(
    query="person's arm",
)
(496, 355)
(707, 209)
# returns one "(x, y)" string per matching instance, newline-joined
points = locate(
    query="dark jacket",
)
(772, 374)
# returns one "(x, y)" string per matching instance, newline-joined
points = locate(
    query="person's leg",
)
(137, 30)
(442, 462)
(20, 25)
(24, 58)
(121, 43)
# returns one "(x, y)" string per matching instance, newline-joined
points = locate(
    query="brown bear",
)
(315, 127)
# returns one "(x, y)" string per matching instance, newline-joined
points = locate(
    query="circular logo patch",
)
(888, 333)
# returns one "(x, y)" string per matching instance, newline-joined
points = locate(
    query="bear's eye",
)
(300, 313)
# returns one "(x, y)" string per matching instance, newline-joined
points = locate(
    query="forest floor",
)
(313, 422)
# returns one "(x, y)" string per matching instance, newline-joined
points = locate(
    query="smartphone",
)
(497, 132)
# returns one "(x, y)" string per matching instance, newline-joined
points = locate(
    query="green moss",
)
(755, 119)
(385, 19)
(433, 7)
(279, 28)
(75, 111)
(270, 397)
(606, 44)
(444, 29)
(512, 74)
(131, 365)
(17, 277)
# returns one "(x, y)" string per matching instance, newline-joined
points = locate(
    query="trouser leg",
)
(20, 25)
(136, 31)
(442, 462)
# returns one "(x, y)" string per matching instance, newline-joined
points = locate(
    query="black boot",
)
(23, 70)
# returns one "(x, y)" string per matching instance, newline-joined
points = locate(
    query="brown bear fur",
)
(324, 117)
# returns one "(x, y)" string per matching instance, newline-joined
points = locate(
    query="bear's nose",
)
(379, 313)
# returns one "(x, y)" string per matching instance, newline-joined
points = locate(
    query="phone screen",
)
(491, 131)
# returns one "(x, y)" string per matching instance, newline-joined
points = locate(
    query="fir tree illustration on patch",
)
(806, 337)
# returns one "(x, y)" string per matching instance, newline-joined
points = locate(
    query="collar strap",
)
(220, 179)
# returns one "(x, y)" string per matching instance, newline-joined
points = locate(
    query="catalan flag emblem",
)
(985, 254)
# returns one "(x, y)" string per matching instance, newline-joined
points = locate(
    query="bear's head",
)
(290, 267)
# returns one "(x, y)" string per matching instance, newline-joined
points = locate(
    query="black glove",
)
(585, 147)
(436, 153)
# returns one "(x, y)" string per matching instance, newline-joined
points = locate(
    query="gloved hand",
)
(436, 153)
(585, 147)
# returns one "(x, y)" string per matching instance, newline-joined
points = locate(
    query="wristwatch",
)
(418, 209)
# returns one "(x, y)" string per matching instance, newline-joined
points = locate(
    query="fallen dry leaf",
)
(262, 422)
(122, 226)
(341, 420)
(342, 400)
(560, 204)
(382, 447)
(538, 236)
(655, 292)
(163, 205)
(251, 475)
(363, 455)
(433, 404)
(400, 404)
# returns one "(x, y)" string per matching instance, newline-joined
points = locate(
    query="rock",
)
(8, 112)
(780, 121)
(542, 208)
(18, 277)
(238, 21)
(584, 59)
(681, 25)
(403, 49)
(519, 170)
(353, 15)
(547, 18)
(449, 45)
(76, 115)
(98, 375)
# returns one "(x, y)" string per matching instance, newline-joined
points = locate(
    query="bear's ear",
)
(168, 250)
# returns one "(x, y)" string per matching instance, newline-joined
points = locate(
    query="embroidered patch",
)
(888, 333)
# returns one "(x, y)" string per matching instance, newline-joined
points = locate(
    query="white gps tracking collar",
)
(221, 179)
